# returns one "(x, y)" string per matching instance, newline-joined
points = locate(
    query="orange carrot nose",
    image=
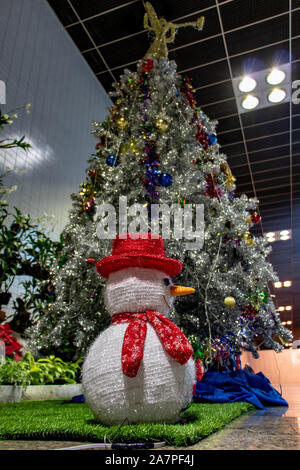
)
(180, 290)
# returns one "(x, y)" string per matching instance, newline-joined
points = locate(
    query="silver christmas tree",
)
(158, 147)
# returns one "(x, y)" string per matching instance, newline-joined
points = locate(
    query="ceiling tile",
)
(63, 11)
(190, 34)
(241, 12)
(196, 54)
(88, 8)
(264, 58)
(95, 61)
(106, 81)
(267, 142)
(258, 35)
(213, 93)
(80, 37)
(296, 23)
(117, 24)
(224, 109)
(170, 9)
(203, 75)
(228, 123)
(266, 114)
(129, 50)
(259, 130)
(229, 138)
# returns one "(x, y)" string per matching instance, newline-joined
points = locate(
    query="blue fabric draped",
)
(238, 385)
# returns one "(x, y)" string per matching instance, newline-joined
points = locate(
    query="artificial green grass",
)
(65, 420)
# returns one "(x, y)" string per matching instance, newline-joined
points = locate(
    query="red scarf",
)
(174, 341)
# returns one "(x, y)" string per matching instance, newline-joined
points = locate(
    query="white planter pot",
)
(51, 392)
(10, 393)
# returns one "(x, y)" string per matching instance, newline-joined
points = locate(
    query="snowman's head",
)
(138, 289)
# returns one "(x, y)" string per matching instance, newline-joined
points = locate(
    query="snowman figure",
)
(140, 369)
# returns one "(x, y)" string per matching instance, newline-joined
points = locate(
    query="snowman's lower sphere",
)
(161, 389)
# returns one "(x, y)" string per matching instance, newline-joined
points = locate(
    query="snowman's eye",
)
(166, 281)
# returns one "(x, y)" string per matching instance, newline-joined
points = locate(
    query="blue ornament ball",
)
(165, 179)
(212, 139)
(112, 160)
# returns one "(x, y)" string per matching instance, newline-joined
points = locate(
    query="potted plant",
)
(14, 379)
(39, 379)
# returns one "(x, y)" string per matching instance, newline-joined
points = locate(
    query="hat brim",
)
(110, 264)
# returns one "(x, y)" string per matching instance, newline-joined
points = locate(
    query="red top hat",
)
(145, 252)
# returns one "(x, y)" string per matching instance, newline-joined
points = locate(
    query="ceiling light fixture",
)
(276, 95)
(284, 235)
(247, 84)
(280, 309)
(277, 284)
(288, 307)
(287, 283)
(275, 77)
(250, 102)
(279, 235)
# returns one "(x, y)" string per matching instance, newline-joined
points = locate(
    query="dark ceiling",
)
(239, 36)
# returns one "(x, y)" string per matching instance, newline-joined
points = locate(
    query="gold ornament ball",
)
(229, 302)
(162, 124)
(122, 123)
(249, 238)
(250, 241)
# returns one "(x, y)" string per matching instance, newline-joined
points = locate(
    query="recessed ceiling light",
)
(270, 235)
(247, 84)
(289, 322)
(288, 307)
(276, 95)
(250, 102)
(275, 77)
(271, 240)
(280, 309)
(283, 322)
(284, 232)
(287, 283)
(277, 284)
(284, 237)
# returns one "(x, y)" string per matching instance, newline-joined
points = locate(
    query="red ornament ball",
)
(91, 261)
(255, 218)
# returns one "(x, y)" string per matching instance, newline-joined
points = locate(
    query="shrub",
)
(14, 373)
(51, 370)
(48, 370)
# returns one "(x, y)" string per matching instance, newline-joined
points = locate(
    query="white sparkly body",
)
(162, 387)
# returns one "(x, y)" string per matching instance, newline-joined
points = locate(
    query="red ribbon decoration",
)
(174, 341)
